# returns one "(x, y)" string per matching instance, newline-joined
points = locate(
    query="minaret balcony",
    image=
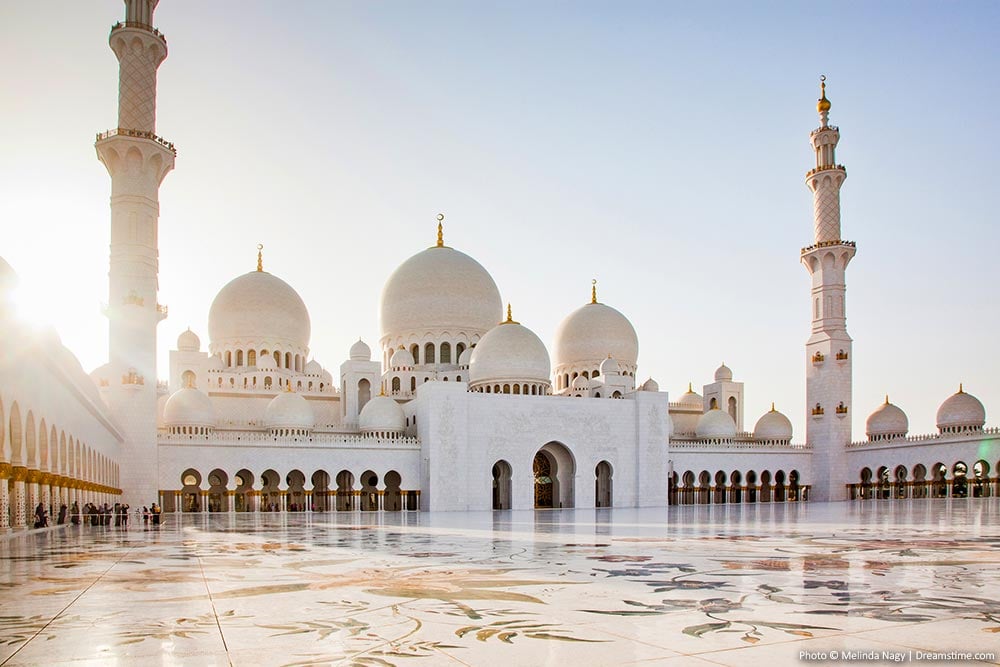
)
(141, 134)
(829, 244)
(139, 26)
(818, 359)
(826, 167)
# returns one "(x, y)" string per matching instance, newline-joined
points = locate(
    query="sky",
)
(658, 147)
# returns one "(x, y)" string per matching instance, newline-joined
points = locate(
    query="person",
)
(62, 514)
(145, 514)
(118, 514)
(40, 520)
(125, 515)
(74, 514)
(156, 514)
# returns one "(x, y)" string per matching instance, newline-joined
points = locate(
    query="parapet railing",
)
(927, 438)
(727, 444)
(139, 25)
(827, 244)
(141, 134)
(251, 437)
(826, 167)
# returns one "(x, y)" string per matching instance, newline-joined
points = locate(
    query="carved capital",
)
(20, 473)
(5, 471)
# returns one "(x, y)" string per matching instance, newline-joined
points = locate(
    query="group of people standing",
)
(96, 515)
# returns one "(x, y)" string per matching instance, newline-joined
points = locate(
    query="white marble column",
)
(17, 502)
(4, 498)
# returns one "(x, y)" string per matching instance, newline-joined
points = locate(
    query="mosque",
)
(459, 407)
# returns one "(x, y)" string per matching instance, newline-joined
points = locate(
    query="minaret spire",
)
(829, 348)
(137, 161)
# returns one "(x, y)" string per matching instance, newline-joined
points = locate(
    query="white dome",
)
(692, 399)
(463, 359)
(326, 376)
(439, 288)
(188, 341)
(381, 413)
(288, 410)
(772, 426)
(887, 420)
(961, 410)
(313, 368)
(188, 407)
(592, 332)
(723, 374)
(610, 366)
(8, 276)
(266, 362)
(401, 358)
(215, 363)
(715, 425)
(258, 305)
(360, 351)
(580, 382)
(650, 385)
(509, 351)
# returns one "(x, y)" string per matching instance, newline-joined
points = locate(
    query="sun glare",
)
(30, 306)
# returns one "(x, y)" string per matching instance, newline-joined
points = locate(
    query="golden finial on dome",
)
(823, 104)
(260, 257)
(960, 389)
(772, 407)
(593, 290)
(887, 399)
(690, 390)
(440, 242)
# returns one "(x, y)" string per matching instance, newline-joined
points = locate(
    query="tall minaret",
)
(828, 351)
(137, 161)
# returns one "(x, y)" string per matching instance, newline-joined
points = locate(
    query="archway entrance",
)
(501, 485)
(295, 497)
(602, 484)
(191, 490)
(218, 495)
(369, 491)
(270, 495)
(244, 491)
(320, 492)
(345, 491)
(554, 470)
(392, 500)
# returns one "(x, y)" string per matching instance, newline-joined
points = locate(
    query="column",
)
(18, 501)
(5, 473)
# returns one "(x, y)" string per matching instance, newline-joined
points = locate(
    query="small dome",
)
(887, 420)
(723, 374)
(360, 351)
(266, 362)
(773, 425)
(693, 399)
(580, 382)
(610, 366)
(326, 376)
(289, 410)
(509, 351)
(439, 288)
(188, 407)
(961, 411)
(215, 363)
(381, 413)
(463, 359)
(650, 385)
(188, 341)
(715, 425)
(401, 358)
(313, 368)
(590, 333)
(258, 306)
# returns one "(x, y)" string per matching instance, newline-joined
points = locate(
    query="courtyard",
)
(689, 585)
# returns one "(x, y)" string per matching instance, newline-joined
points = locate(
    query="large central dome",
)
(439, 288)
(258, 306)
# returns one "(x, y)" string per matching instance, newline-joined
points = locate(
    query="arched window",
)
(239, 357)
(364, 393)
(459, 349)
(415, 353)
(229, 358)
(395, 384)
(445, 353)
(413, 384)
(288, 359)
(277, 359)
(267, 382)
(732, 408)
(188, 379)
(429, 353)
(713, 404)
(252, 358)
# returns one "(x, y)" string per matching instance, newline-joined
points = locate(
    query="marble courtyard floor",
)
(690, 585)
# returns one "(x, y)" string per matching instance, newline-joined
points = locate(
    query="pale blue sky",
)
(659, 147)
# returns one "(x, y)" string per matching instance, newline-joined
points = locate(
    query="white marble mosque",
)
(457, 408)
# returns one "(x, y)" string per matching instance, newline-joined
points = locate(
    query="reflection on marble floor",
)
(690, 585)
